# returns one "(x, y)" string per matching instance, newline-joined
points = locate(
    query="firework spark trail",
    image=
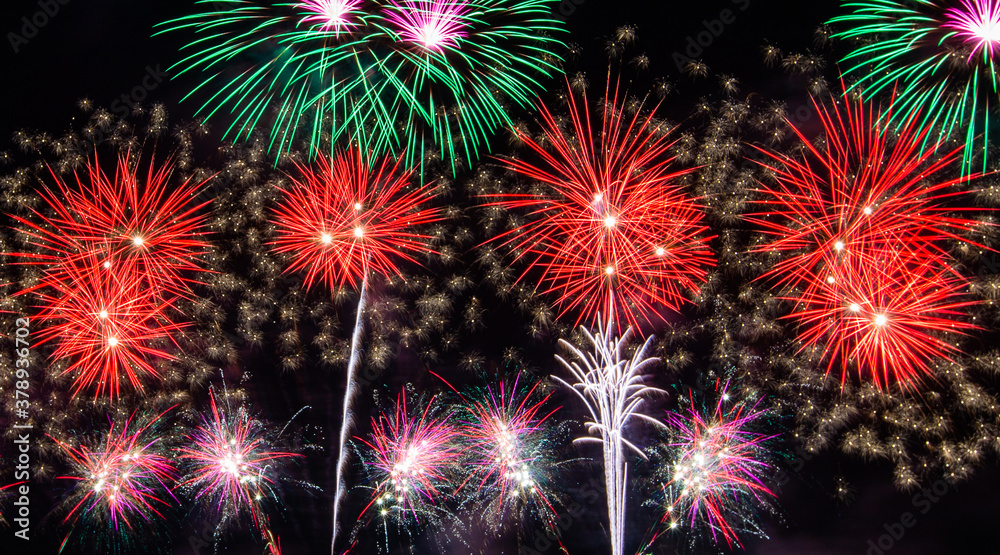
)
(717, 474)
(612, 221)
(348, 418)
(611, 386)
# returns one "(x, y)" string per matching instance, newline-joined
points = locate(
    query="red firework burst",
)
(106, 322)
(350, 215)
(611, 231)
(146, 223)
(862, 222)
(864, 191)
(889, 315)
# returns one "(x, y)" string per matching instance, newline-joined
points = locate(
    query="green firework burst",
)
(394, 75)
(927, 53)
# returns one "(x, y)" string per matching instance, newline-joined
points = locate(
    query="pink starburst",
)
(433, 24)
(977, 22)
(337, 16)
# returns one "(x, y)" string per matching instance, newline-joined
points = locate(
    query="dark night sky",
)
(100, 49)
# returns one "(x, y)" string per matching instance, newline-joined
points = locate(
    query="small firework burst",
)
(410, 459)
(507, 452)
(718, 469)
(433, 24)
(123, 482)
(231, 465)
(336, 16)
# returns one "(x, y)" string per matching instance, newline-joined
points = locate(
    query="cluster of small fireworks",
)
(490, 450)
(232, 467)
(612, 387)
(716, 477)
(123, 482)
(394, 76)
(114, 251)
(862, 224)
(611, 230)
(937, 57)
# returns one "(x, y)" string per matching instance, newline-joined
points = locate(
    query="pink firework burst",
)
(106, 323)
(337, 16)
(716, 477)
(412, 459)
(433, 24)
(145, 222)
(351, 215)
(977, 22)
(612, 231)
(123, 481)
(231, 465)
(505, 442)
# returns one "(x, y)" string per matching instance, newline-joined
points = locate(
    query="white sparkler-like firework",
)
(611, 385)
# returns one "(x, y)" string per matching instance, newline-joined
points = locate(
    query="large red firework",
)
(865, 190)
(106, 322)
(147, 222)
(611, 231)
(351, 215)
(862, 224)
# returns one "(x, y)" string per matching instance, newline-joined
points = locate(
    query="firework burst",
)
(861, 225)
(506, 451)
(145, 224)
(716, 477)
(394, 76)
(350, 216)
(106, 323)
(231, 465)
(936, 56)
(611, 386)
(411, 462)
(611, 222)
(123, 482)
